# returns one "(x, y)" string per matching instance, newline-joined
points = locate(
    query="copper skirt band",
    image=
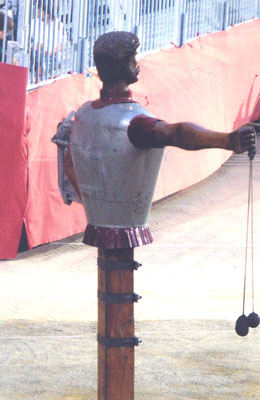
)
(117, 238)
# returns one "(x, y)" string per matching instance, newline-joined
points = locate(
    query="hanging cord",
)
(252, 235)
(249, 212)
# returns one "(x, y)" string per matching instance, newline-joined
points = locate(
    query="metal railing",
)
(55, 37)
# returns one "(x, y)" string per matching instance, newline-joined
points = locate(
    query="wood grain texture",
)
(115, 365)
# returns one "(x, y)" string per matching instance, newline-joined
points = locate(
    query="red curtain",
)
(13, 157)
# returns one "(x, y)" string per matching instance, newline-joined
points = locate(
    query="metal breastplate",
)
(116, 179)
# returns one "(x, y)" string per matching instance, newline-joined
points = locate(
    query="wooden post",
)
(115, 320)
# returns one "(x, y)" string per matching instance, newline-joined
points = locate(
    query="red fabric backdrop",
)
(47, 217)
(13, 157)
(211, 81)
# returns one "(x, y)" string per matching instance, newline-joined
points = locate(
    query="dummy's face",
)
(132, 71)
(1, 35)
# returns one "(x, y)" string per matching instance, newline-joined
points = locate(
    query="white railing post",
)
(177, 21)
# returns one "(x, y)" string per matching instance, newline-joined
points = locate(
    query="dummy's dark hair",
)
(112, 54)
(9, 22)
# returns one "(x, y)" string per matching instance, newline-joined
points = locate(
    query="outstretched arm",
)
(145, 132)
(193, 137)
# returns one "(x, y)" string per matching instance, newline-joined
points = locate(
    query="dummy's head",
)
(114, 56)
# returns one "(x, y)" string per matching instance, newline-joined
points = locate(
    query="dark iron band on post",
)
(118, 298)
(118, 265)
(118, 342)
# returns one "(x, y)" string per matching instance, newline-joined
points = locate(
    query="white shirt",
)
(52, 35)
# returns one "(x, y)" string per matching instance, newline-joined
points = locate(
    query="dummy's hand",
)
(244, 139)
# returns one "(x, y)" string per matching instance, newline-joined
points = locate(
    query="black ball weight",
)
(242, 326)
(253, 320)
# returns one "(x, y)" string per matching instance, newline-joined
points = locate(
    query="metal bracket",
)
(119, 298)
(118, 265)
(118, 342)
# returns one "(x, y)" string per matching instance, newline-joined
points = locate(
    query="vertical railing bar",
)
(149, 31)
(142, 8)
(33, 43)
(78, 66)
(125, 15)
(237, 11)
(52, 21)
(166, 22)
(148, 25)
(193, 31)
(229, 11)
(131, 16)
(101, 17)
(87, 29)
(29, 44)
(137, 18)
(168, 33)
(197, 17)
(59, 42)
(144, 16)
(106, 17)
(84, 33)
(165, 7)
(211, 23)
(64, 35)
(146, 13)
(149, 38)
(207, 27)
(21, 24)
(188, 24)
(68, 14)
(152, 26)
(202, 19)
(191, 20)
(162, 7)
(47, 58)
(193, 15)
(92, 28)
(232, 14)
(42, 51)
(4, 32)
(194, 18)
(40, 45)
(172, 29)
(133, 13)
(213, 27)
(201, 14)
(74, 7)
(186, 21)
(96, 20)
(156, 29)
(227, 19)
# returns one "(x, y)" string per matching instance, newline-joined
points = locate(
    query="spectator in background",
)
(9, 27)
(49, 35)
